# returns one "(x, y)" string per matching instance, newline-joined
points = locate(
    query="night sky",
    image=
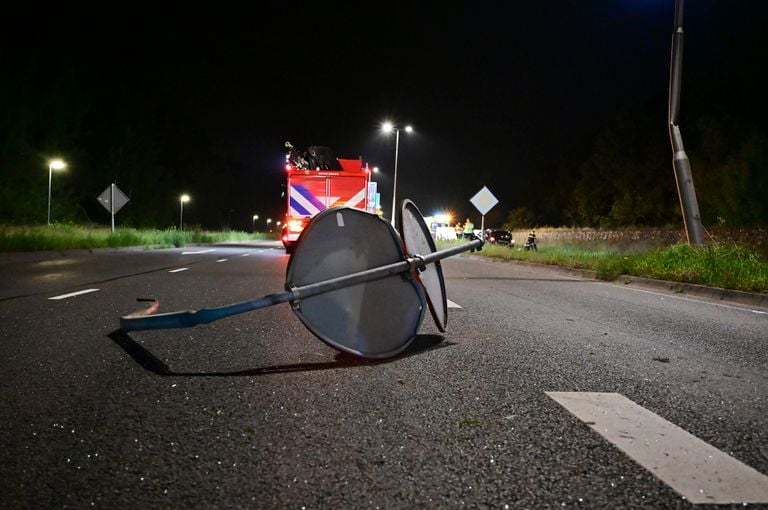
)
(497, 92)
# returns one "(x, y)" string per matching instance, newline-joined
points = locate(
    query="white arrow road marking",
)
(178, 270)
(697, 470)
(196, 252)
(73, 294)
(451, 304)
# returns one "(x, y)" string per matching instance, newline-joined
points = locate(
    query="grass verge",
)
(69, 237)
(725, 266)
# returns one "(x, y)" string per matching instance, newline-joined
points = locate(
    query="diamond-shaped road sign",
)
(105, 199)
(484, 200)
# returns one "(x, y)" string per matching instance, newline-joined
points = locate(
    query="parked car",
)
(499, 236)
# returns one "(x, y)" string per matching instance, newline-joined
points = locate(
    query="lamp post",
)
(694, 230)
(255, 217)
(182, 199)
(55, 164)
(388, 127)
(269, 220)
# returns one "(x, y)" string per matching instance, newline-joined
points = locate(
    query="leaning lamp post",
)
(182, 199)
(55, 164)
(388, 127)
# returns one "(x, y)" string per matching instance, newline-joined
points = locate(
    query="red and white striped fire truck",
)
(316, 180)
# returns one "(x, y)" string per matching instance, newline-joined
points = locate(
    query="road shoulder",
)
(754, 299)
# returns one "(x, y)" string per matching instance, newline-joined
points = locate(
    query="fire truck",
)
(317, 180)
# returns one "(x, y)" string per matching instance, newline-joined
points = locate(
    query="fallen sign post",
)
(355, 282)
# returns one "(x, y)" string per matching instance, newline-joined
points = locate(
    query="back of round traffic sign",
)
(374, 319)
(418, 241)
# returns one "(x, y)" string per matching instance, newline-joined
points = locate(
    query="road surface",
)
(546, 391)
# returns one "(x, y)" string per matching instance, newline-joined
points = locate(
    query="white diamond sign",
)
(105, 199)
(484, 200)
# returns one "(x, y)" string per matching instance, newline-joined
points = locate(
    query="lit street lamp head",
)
(184, 198)
(57, 164)
(388, 127)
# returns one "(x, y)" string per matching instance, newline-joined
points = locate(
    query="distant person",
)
(530, 243)
(469, 228)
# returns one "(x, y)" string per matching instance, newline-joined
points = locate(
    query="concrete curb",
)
(692, 289)
(755, 299)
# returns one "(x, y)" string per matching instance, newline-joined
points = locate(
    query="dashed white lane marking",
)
(178, 270)
(245, 255)
(73, 294)
(697, 470)
(221, 260)
(196, 252)
(451, 304)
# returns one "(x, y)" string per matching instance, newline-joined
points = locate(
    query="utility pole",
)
(683, 177)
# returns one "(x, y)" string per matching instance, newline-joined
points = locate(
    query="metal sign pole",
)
(112, 204)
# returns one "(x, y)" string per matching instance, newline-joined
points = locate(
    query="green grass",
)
(725, 266)
(728, 267)
(69, 237)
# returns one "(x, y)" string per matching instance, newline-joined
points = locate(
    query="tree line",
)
(625, 177)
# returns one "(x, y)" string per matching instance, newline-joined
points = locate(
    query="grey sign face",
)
(418, 241)
(105, 199)
(375, 319)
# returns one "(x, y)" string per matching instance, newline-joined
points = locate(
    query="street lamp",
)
(388, 127)
(182, 199)
(55, 164)
(269, 220)
(255, 217)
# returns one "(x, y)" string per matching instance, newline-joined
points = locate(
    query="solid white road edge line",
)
(696, 470)
(72, 294)
(178, 270)
(744, 308)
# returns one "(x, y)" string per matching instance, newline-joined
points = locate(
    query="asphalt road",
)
(254, 412)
